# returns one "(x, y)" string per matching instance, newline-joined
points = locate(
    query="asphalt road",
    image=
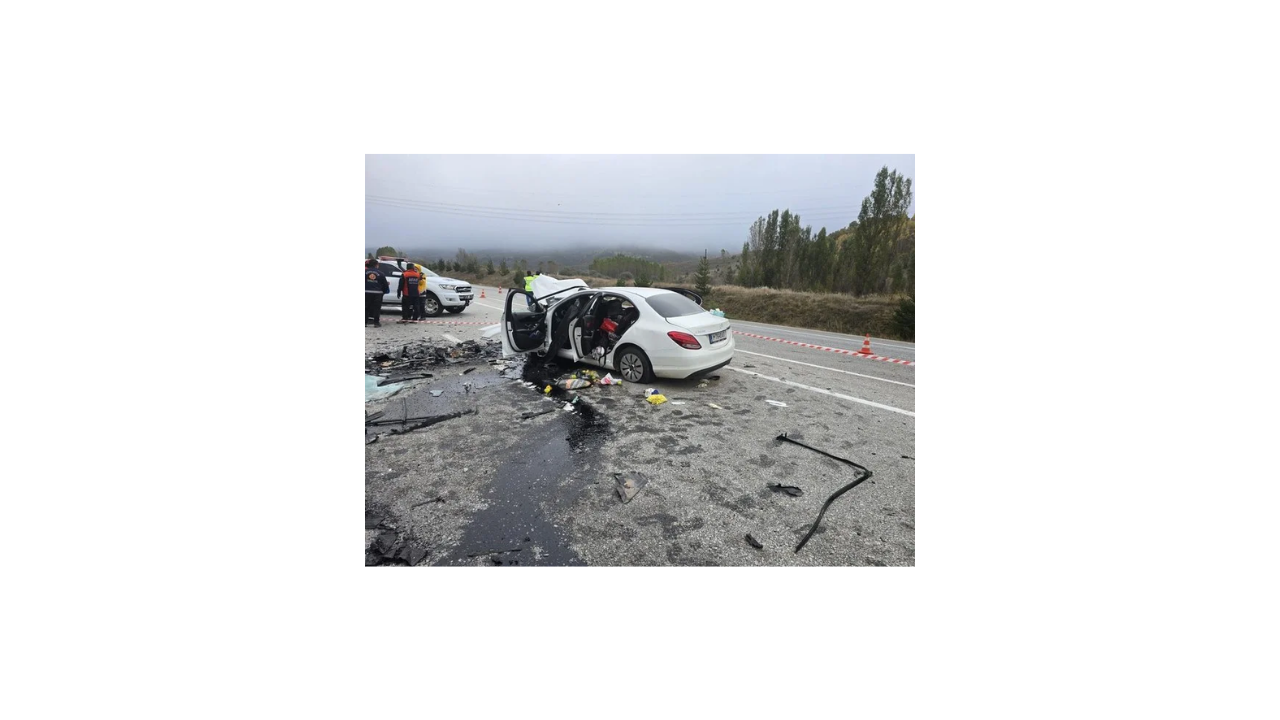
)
(541, 491)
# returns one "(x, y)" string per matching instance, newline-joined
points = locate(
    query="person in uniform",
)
(410, 300)
(375, 286)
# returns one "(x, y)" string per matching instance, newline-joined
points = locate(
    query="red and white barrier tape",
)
(854, 353)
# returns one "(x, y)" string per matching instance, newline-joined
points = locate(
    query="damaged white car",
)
(638, 332)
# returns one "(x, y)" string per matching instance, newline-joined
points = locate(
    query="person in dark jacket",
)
(375, 286)
(411, 305)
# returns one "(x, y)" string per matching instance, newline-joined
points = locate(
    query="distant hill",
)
(577, 257)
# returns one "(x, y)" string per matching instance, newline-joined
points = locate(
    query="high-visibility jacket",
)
(409, 282)
(528, 283)
(422, 284)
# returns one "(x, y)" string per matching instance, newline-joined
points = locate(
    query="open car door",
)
(524, 329)
(581, 328)
(687, 293)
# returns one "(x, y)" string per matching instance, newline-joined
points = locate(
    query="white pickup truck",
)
(442, 293)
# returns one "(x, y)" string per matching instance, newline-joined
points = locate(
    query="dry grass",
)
(819, 311)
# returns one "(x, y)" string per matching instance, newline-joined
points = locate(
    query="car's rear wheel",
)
(455, 309)
(633, 365)
(431, 304)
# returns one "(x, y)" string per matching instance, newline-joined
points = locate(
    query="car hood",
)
(449, 281)
(703, 323)
(544, 285)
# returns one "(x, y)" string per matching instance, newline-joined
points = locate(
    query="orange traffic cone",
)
(499, 289)
(481, 292)
(866, 346)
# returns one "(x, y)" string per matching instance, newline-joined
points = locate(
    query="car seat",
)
(627, 318)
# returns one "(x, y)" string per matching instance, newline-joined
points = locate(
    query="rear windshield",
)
(669, 304)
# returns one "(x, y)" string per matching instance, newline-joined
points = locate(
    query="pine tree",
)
(703, 279)
(502, 267)
(881, 221)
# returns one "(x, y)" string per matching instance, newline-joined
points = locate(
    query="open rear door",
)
(578, 337)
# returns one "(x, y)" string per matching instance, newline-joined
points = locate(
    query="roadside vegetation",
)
(874, 314)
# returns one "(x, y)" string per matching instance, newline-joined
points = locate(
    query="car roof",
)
(644, 292)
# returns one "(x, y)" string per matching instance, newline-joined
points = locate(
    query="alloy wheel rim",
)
(432, 305)
(631, 367)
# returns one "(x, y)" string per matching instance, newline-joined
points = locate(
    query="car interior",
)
(562, 315)
(621, 313)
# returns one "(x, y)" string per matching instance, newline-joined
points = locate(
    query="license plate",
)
(718, 336)
(465, 297)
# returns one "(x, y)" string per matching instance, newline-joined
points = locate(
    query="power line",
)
(575, 213)
(555, 221)
(625, 193)
(525, 217)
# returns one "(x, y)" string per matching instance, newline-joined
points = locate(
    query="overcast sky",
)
(679, 202)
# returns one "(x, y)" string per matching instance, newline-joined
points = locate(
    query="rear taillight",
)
(685, 340)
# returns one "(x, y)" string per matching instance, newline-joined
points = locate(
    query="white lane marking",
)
(819, 333)
(822, 390)
(824, 367)
(451, 338)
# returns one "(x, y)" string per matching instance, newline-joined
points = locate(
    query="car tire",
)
(456, 309)
(431, 305)
(633, 365)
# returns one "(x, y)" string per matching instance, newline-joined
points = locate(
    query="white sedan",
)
(637, 332)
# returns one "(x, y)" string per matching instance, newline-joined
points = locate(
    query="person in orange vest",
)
(411, 305)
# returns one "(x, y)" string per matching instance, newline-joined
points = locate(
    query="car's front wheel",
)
(633, 365)
(431, 304)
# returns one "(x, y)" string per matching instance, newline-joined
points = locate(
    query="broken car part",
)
(384, 549)
(405, 378)
(430, 422)
(431, 419)
(791, 490)
(493, 552)
(629, 484)
(753, 542)
(866, 474)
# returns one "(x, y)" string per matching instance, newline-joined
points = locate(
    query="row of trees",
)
(874, 254)
(625, 267)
